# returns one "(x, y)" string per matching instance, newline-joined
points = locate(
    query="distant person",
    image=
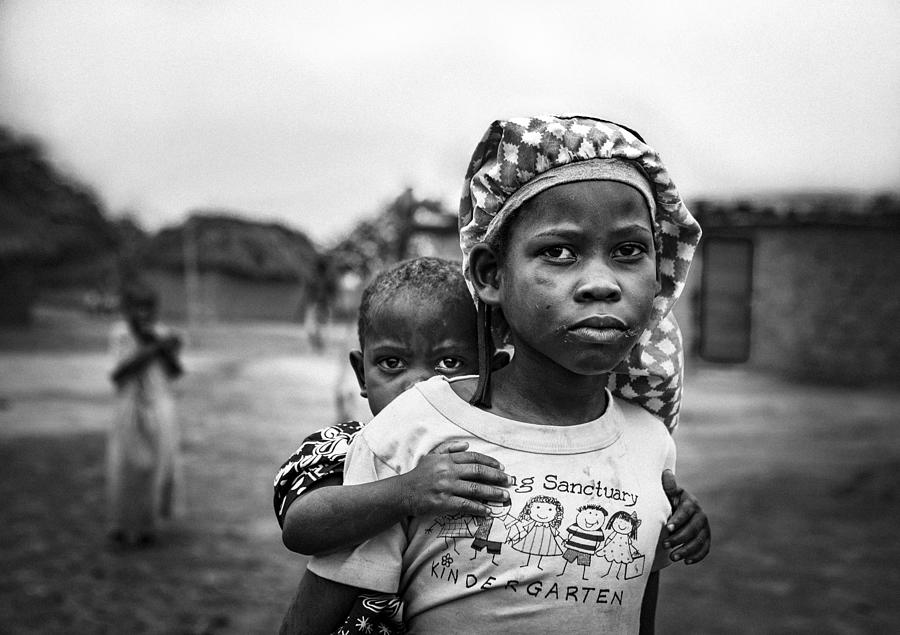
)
(416, 320)
(142, 448)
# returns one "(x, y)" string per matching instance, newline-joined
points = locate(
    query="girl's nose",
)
(599, 283)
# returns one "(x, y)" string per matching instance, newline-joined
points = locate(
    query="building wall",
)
(225, 298)
(825, 302)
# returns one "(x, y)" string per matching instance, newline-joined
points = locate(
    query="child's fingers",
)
(688, 531)
(682, 514)
(450, 446)
(477, 472)
(480, 492)
(475, 458)
(459, 505)
(695, 550)
(670, 487)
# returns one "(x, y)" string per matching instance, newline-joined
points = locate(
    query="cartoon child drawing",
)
(619, 548)
(493, 530)
(453, 526)
(585, 537)
(539, 522)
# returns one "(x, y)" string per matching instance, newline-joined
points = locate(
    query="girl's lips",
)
(597, 335)
(599, 329)
(601, 322)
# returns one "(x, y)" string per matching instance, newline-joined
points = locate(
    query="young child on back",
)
(577, 244)
(416, 320)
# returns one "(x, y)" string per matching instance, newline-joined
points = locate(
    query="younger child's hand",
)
(451, 480)
(688, 526)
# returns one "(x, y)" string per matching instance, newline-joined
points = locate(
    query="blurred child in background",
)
(142, 447)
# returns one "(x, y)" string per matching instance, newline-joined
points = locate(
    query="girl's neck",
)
(553, 396)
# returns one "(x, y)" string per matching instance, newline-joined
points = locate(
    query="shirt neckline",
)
(518, 435)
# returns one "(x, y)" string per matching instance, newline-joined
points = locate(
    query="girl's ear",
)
(359, 369)
(484, 271)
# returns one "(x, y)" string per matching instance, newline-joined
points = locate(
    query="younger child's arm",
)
(449, 480)
(688, 526)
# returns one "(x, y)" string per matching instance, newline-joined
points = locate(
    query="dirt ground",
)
(799, 482)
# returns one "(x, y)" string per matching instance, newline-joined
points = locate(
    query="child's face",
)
(622, 525)
(141, 315)
(410, 339)
(542, 512)
(579, 275)
(589, 518)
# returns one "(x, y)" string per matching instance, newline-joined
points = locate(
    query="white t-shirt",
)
(460, 584)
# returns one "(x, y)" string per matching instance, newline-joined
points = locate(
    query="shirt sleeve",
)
(377, 563)
(321, 454)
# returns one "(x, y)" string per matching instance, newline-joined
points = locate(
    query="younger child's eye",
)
(449, 364)
(391, 363)
(559, 253)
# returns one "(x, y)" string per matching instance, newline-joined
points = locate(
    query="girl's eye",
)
(559, 253)
(391, 363)
(630, 251)
(449, 364)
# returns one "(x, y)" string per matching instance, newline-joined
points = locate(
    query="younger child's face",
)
(579, 276)
(411, 338)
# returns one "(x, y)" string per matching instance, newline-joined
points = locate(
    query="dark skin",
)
(576, 285)
(561, 373)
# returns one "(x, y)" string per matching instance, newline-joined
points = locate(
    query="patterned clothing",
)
(323, 454)
(513, 153)
(617, 549)
(585, 540)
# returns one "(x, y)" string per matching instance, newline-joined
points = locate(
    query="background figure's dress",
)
(142, 448)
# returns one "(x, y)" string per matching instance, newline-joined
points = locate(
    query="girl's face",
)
(622, 525)
(542, 512)
(578, 277)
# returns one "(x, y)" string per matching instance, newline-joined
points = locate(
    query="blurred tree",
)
(53, 232)
(376, 243)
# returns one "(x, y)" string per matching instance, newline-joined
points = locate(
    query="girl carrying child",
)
(577, 245)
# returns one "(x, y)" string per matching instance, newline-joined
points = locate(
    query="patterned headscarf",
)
(518, 152)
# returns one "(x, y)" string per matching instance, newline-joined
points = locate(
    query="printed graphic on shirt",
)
(593, 541)
(453, 526)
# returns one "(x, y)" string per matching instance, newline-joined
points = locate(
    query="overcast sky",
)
(316, 113)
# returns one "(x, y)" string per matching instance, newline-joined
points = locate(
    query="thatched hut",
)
(219, 267)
